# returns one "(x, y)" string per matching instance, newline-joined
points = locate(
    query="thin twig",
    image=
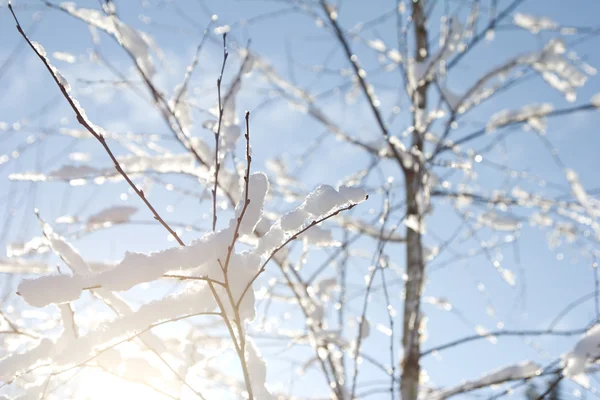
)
(376, 266)
(88, 126)
(241, 336)
(218, 132)
(113, 345)
(359, 73)
(551, 387)
(246, 200)
(192, 67)
(547, 332)
(596, 290)
(291, 238)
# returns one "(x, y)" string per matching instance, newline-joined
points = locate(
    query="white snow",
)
(258, 371)
(21, 266)
(136, 268)
(428, 68)
(325, 286)
(439, 302)
(394, 55)
(595, 100)
(384, 329)
(352, 194)
(540, 219)
(64, 56)
(499, 222)
(429, 253)
(583, 354)
(534, 24)
(523, 370)
(508, 276)
(69, 327)
(412, 221)
(67, 351)
(51, 289)
(271, 240)
(10, 365)
(136, 42)
(112, 215)
(322, 200)
(580, 193)
(320, 237)
(36, 244)
(78, 156)
(258, 185)
(377, 45)
(164, 164)
(293, 220)
(64, 249)
(557, 68)
(532, 114)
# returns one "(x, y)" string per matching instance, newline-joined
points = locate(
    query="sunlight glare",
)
(96, 384)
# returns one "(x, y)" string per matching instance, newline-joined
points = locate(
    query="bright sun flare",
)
(100, 385)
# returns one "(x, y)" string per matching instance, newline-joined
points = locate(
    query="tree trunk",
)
(409, 382)
(415, 209)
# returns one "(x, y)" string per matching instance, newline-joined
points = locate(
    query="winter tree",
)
(408, 209)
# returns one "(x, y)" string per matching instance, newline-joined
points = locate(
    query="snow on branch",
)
(585, 353)
(135, 268)
(557, 68)
(589, 204)
(200, 258)
(420, 72)
(532, 114)
(319, 203)
(64, 250)
(534, 24)
(131, 165)
(112, 215)
(68, 351)
(527, 369)
(22, 266)
(136, 42)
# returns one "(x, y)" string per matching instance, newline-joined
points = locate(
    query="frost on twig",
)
(534, 115)
(534, 24)
(558, 68)
(420, 72)
(112, 215)
(67, 351)
(527, 369)
(137, 42)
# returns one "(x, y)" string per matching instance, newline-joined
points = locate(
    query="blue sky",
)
(279, 131)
